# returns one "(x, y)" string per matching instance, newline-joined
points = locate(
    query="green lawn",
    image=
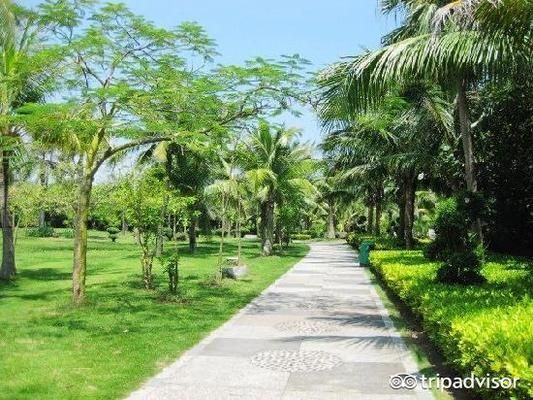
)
(485, 329)
(124, 334)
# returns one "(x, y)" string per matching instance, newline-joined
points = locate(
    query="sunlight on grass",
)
(124, 334)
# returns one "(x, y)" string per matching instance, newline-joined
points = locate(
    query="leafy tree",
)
(144, 197)
(226, 196)
(130, 80)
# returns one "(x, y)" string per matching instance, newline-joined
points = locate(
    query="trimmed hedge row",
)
(380, 242)
(485, 329)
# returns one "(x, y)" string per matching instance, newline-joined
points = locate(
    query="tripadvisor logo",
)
(408, 381)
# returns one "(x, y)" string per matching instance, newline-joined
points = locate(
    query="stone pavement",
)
(320, 332)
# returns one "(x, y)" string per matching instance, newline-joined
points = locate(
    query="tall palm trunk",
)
(79, 267)
(239, 235)
(370, 217)
(331, 220)
(400, 199)
(192, 233)
(379, 211)
(466, 136)
(267, 227)
(44, 184)
(222, 233)
(468, 147)
(409, 210)
(8, 269)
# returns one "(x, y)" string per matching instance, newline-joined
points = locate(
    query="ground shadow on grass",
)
(45, 274)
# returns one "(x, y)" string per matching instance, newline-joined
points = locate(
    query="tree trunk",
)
(124, 223)
(43, 182)
(239, 236)
(331, 220)
(79, 267)
(174, 223)
(410, 187)
(267, 227)
(147, 262)
(8, 269)
(468, 147)
(222, 234)
(466, 136)
(370, 217)
(379, 211)
(192, 233)
(401, 213)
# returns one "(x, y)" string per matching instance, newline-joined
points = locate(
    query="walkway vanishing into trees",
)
(319, 332)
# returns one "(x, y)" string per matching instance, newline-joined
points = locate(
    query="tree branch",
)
(112, 151)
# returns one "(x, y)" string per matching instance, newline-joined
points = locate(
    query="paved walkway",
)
(320, 332)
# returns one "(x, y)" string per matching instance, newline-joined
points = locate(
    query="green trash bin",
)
(364, 253)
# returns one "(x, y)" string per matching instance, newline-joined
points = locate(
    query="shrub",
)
(168, 233)
(42, 231)
(113, 233)
(300, 236)
(317, 229)
(379, 242)
(451, 231)
(463, 268)
(453, 243)
(484, 329)
(181, 236)
(66, 233)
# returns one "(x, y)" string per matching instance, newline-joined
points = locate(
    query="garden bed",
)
(485, 329)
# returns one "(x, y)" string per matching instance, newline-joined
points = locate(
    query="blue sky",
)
(320, 30)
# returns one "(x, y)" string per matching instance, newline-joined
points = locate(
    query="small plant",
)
(113, 233)
(170, 264)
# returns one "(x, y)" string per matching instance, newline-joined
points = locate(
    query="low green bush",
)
(462, 268)
(66, 233)
(113, 233)
(379, 242)
(181, 236)
(42, 231)
(300, 236)
(454, 244)
(484, 329)
(168, 233)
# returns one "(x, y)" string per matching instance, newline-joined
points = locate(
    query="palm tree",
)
(24, 73)
(399, 139)
(276, 167)
(453, 42)
(226, 195)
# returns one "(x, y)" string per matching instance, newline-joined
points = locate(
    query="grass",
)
(485, 329)
(124, 334)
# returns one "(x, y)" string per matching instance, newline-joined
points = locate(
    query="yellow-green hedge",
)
(485, 329)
